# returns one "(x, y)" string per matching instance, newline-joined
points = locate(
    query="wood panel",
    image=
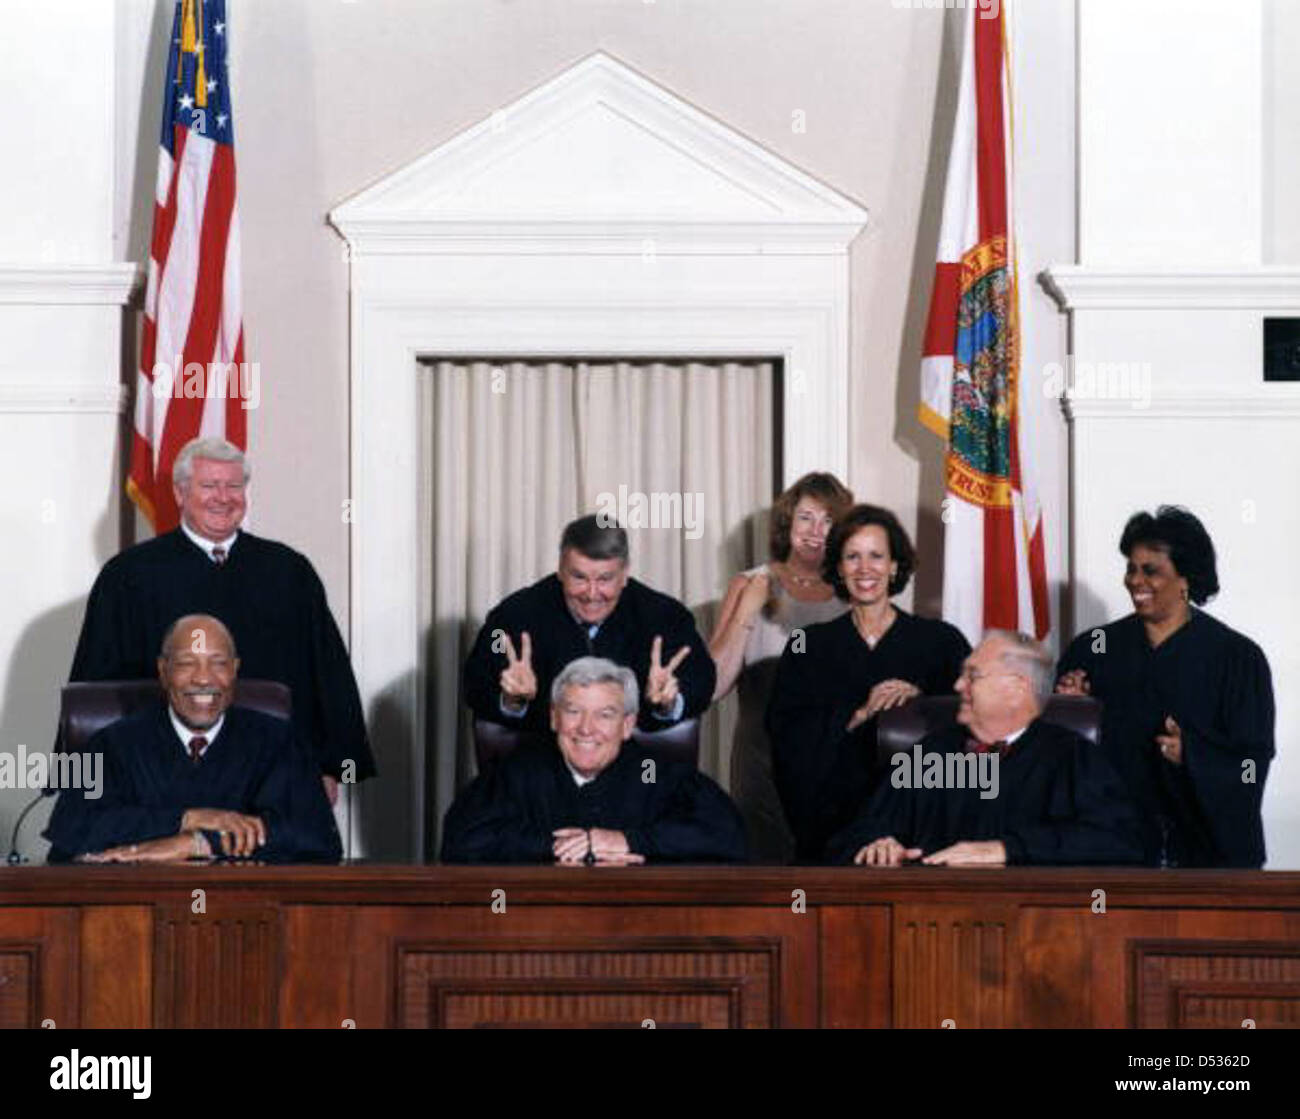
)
(1215, 984)
(683, 947)
(218, 970)
(1123, 967)
(116, 967)
(612, 982)
(595, 966)
(952, 966)
(856, 966)
(38, 967)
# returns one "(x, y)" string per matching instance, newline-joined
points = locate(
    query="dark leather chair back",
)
(679, 742)
(900, 728)
(88, 706)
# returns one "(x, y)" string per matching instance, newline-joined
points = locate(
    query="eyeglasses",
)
(973, 676)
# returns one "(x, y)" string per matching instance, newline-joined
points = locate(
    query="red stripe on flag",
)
(941, 328)
(1001, 599)
(1038, 582)
(990, 148)
(185, 413)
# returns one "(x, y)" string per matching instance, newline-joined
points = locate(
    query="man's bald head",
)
(197, 668)
(201, 631)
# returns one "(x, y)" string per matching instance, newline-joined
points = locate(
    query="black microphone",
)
(15, 859)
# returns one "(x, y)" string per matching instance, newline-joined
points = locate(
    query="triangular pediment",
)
(600, 148)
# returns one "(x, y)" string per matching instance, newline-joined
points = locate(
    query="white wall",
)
(60, 325)
(1174, 181)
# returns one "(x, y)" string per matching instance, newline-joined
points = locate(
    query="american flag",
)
(995, 573)
(192, 344)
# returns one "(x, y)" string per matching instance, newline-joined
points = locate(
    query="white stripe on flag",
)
(963, 567)
(143, 405)
(936, 384)
(162, 184)
(181, 269)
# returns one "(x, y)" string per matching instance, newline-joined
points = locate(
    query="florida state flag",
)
(995, 574)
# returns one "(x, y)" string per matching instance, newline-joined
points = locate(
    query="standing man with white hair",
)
(267, 594)
(1054, 798)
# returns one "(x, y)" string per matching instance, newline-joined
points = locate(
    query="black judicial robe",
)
(507, 814)
(823, 772)
(624, 637)
(1059, 803)
(1216, 684)
(256, 765)
(270, 598)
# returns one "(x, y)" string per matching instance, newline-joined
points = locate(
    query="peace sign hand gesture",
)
(518, 683)
(661, 685)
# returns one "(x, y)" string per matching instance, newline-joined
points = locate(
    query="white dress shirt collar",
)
(184, 733)
(206, 544)
(578, 778)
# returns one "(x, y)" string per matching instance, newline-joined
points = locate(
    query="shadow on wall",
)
(926, 448)
(38, 669)
(384, 822)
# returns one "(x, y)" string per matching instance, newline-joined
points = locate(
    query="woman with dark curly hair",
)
(1188, 702)
(835, 678)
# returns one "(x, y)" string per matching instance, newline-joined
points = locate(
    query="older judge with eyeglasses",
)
(1001, 786)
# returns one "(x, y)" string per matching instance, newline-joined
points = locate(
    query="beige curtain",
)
(519, 449)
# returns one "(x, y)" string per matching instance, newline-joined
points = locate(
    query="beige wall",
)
(330, 96)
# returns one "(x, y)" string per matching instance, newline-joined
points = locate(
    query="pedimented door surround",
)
(597, 215)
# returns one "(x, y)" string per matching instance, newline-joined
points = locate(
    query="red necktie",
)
(218, 555)
(197, 745)
(974, 746)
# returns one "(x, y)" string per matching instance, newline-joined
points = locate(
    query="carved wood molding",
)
(219, 970)
(1214, 984)
(568, 982)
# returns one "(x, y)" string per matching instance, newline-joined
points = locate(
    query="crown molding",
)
(1077, 287)
(64, 285)
(1266, 403)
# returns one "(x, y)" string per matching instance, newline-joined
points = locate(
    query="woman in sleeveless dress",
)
(762, 607)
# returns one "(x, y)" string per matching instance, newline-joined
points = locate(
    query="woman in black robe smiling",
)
(1188, 702)
(835, 678)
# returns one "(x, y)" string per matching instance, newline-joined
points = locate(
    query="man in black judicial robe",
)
(1055, 799)
(588, 795)
(1203, 808)
(268, 594)
(823, 769)
(195, 777)
(590, 607)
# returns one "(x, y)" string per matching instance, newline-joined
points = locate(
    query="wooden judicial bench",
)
(421, 946)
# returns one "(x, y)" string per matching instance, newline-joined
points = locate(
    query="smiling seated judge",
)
(591, 796)
(1001, 786)
(195, 777)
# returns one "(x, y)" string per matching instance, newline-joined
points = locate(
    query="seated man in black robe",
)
(590, 796)
(590, 607)
(1001, 786)
(195, 777)
(268, 594)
